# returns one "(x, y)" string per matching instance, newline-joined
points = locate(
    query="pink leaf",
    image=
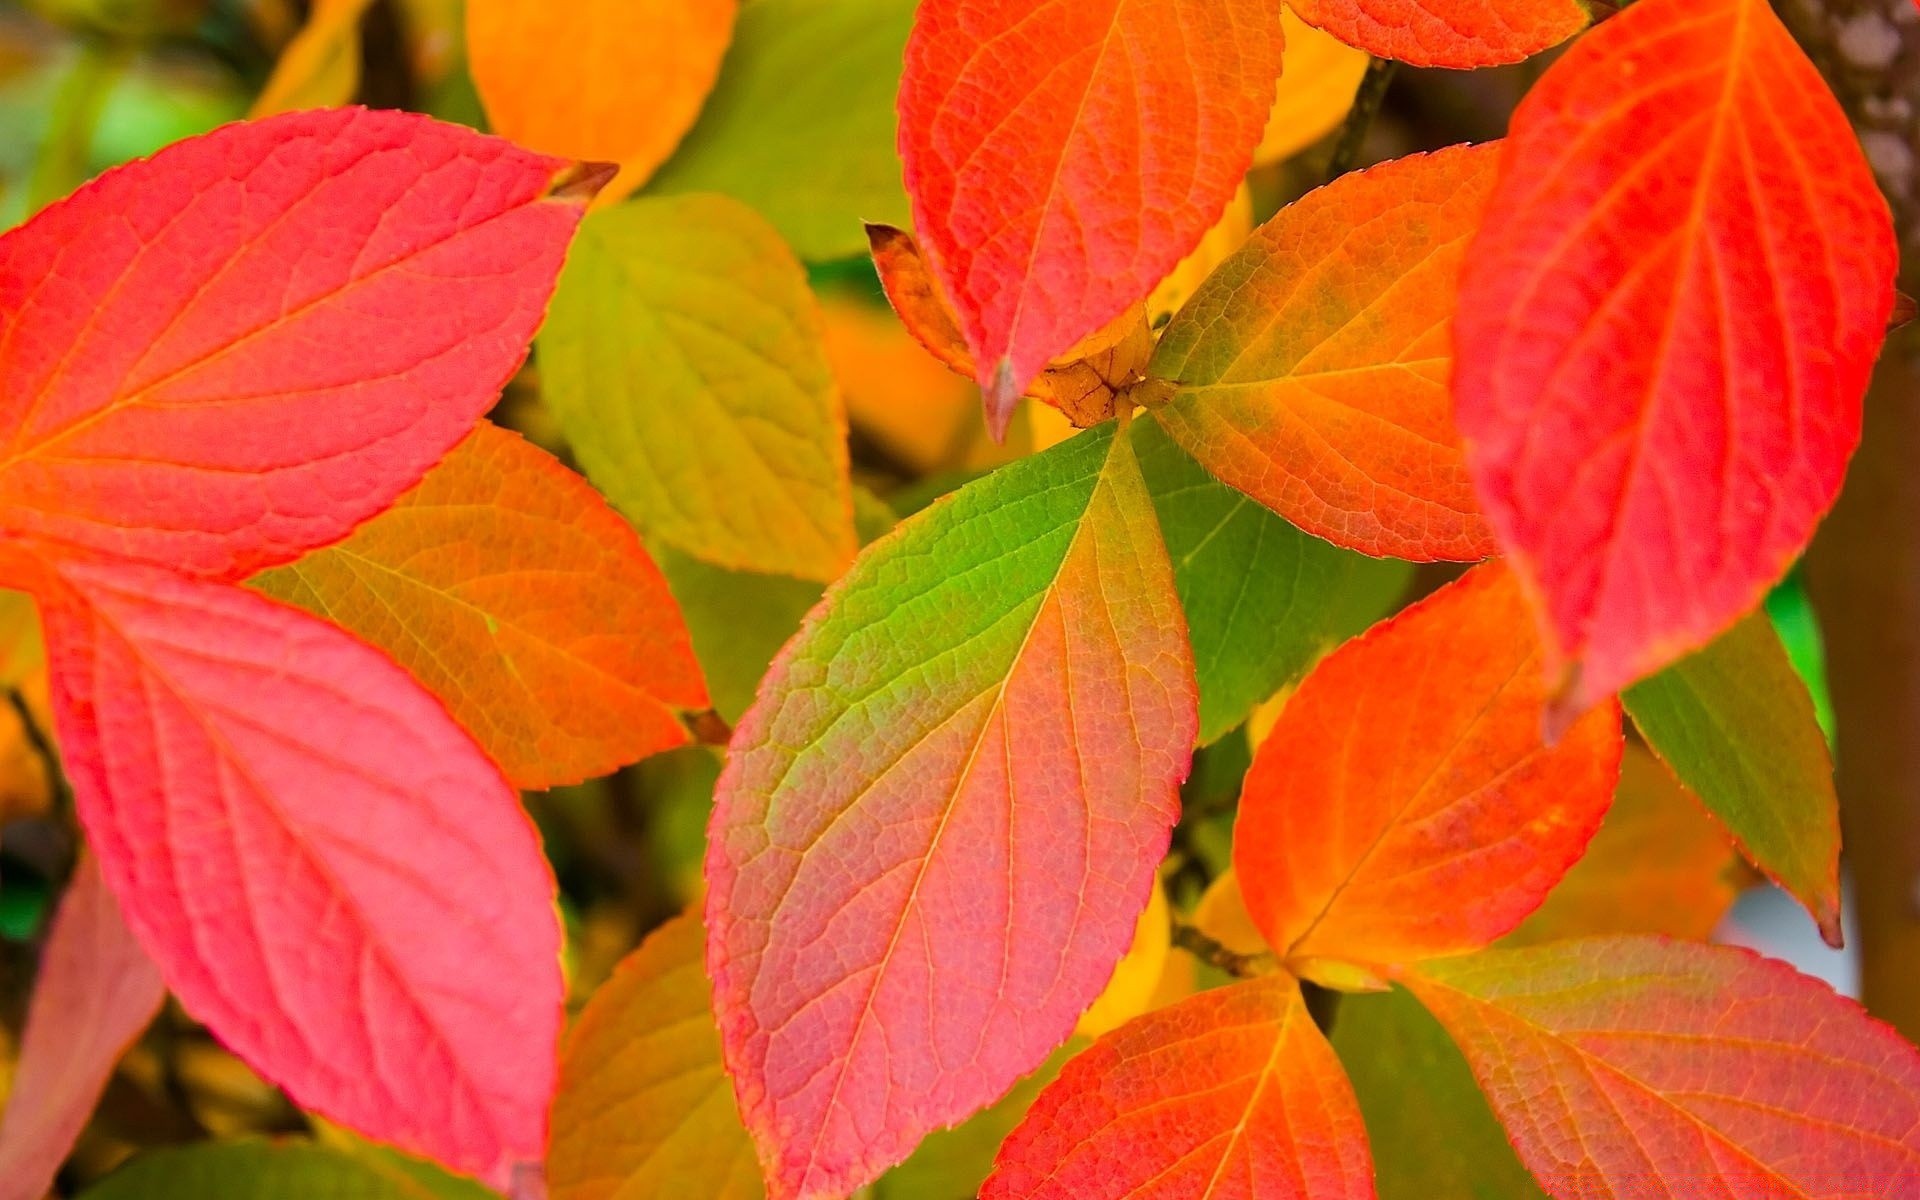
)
(241, 348)
(329, 872)
(96, 991)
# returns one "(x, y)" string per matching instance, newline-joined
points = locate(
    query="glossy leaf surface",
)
(95, 991)
(1062, 157)
(1736, 724)
(1666, 330)
(600, 80)
(329, 872)
(941, 818)
(644, 1107)
(1614, 1062)
(1229, 1095)
(1263, 600)
(1404, 806)
(1312, 366)
(684, 359)
(801, 124)
(511, 591)
(159, 383)
(1447, 33)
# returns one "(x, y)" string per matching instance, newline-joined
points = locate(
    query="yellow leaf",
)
(1137, 976)
(1227, 235)
(918, 411)
(599, 80)
(1222, 915)
(1316, 89)
(320, 68)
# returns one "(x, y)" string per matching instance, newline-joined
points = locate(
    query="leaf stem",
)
(43, 748)
(1366, 105)
(1215, 953)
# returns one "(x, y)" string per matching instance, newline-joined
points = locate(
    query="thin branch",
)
(1208, 950)
(1366, 106)
(43, 748)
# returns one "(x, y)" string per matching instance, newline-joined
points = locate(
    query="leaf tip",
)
(582, 181)
(1905, 309)
(1000, 396)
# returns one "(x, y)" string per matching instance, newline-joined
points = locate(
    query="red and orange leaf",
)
(600, 80)
(329, 872)
(1638, 1066)
(941, 818)
(1311, 367)
(509, 588)
(1448, 33)
(96, 991)
(1404, 806)
(241, 348)
(1063, 156)
(1666, 329)
(1232, 1094)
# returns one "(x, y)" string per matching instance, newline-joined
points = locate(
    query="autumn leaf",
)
(1404, 807)
(1735, 723)
(1659, 864)
(644, 1107)
(329, 872)
(1447, 33)
(1666, 330)
(558, 77)
(801, 124)
(941, 818)
(507, 586)
(321, 65)
(1614, 1062)
(160, 394)
(685, 362)
(1312, 366)
(95, 991)
(1062, 158)
(1263, 600)
(1316, 89)
(1231, 1092)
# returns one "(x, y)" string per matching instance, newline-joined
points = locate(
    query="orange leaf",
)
(1312, 366)
(1404, 806)
(1659, 864)
(1448, 33)
(1637, 1067)
(599, 80)
(1230, 1093)
(1063, 157)
(96, 991)
(514, 593)
(1666, 330)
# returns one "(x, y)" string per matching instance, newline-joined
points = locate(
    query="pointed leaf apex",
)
(581, 182)
(1000, 396)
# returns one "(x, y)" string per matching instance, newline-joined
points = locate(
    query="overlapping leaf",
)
(509, 588)
(599, 80)
(1448, 33)
(1316, 89)
(940, 819)
(684, 360)
(1405, 806)
(1228, 1093)
(1312, 367)
(1062, 157)
(644, 1107)
(1736, 724)
(327, 869)
(801, 124)
(1614, 1062)
(1666, 329)
(96, 990)
(161, 393)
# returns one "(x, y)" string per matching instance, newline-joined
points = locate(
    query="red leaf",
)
(1063, 157)
(1638, 1066)
(1447, 33)
(329, 872)
(1229, 1095)
(241, 348)
(941, 817)
(1665, 330)
(1404, 806)
(96, 991)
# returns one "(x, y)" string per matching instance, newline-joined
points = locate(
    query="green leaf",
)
(1263, 600)
(683, 358)
(1735, 723)
(260, 1170)
(801, 123)
(1431, 1130)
